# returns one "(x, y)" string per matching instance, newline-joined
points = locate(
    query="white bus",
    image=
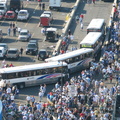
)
(96, 25)
(76, 60)
(93, 40)
(31, 75)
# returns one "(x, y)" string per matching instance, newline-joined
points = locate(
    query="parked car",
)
(23, 15)
(1, 15)
(32, 48)
(24, 35)
(43, 54)
(34, 41)
(2, 52)
(5, 46)
(13, 53)
(1, 35)
(10, 15)
(49, 13)
(45, 20)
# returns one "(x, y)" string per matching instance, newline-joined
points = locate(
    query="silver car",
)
(13, 53)
(23, 15)
(24, 35)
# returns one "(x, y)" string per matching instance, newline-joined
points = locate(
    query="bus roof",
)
(32, 67)
(91, 38)
(96, 23)
(69, 55)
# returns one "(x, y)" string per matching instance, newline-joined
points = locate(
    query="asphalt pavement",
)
(35, 30)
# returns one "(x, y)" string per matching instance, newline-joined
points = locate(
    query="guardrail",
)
(69, 18)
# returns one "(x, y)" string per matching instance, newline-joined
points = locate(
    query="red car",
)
(10, 15)
(1, 16)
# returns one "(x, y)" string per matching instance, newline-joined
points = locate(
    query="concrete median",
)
(66, 27)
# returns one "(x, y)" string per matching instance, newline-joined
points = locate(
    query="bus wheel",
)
(21, 85)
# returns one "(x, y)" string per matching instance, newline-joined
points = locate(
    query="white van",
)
(3, 7)
(2, 52)
(54, 4)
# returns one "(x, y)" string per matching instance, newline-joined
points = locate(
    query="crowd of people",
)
(84, 97)
(93, 99)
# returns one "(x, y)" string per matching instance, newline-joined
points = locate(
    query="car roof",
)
(1, 48)
(12, 49)
(45, 15)
(51, 29)
(10, 11)
(42, 50)
(3, 44)
(23, 10)
(33, 41)
(24, 30)
(47, 12)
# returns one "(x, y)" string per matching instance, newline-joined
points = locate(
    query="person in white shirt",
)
(8, 90)
(20, 108)
(12, 97)
(25, 117)
(28, 98)
(40, 95)
(31, 116)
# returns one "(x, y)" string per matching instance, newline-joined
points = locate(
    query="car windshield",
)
(0, 51)
(48, 14)
(50, 33)
(42, 52)
(1, 8)
(3, 46)
(23, 33)
(9, 14)
(31, 45)
(12, 52)
(22, 13)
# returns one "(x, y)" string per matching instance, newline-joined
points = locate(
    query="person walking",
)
(81, 18)
(43, 6)
(93, 1)
(14, 31)
(21, 51)
(81, 26)
(9, 31)
(10, 24)
(13, 25)
(40, 5)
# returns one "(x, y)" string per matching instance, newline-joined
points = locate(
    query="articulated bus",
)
(76, 60)
(31, 75)
(93, 40)
(96, 25)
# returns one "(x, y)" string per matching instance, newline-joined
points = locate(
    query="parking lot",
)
(33, 26)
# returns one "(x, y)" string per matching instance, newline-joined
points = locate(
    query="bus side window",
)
(16, 75)
(77, 58)
(70, 60)
(81, 57)
(4, 76)
(11, 75)
(60, 69)
(54, 70)
(50, 70)
(67, 61)
(38, 72)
